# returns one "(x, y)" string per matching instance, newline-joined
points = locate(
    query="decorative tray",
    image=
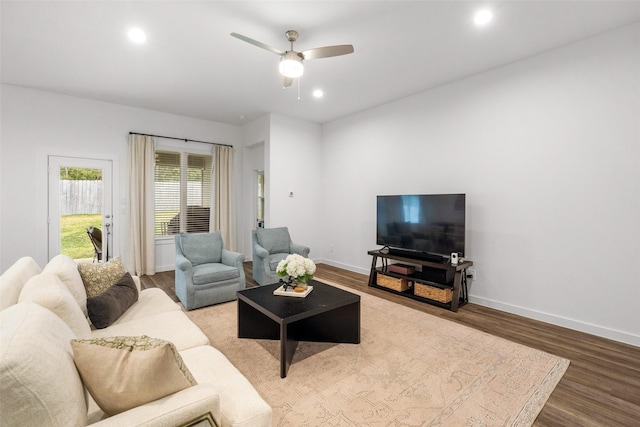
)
(291, 293)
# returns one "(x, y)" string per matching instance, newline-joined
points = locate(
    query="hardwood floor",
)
(600, 388)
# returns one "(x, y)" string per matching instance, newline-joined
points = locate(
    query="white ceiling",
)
(191, 66)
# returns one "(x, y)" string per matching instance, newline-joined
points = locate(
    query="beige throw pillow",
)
(99, 277)
(125, 372)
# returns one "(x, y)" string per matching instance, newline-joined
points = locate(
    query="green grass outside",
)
(74, 240)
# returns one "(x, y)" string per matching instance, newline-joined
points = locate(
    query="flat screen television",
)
(423, 225)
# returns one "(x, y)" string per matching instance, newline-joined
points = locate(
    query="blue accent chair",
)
(270, 246)
(206, 273)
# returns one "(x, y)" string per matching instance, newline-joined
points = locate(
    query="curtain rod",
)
(181, 139)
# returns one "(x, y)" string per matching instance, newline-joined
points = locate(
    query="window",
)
(182, 192)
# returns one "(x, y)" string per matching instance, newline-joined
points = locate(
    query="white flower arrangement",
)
(296, 267)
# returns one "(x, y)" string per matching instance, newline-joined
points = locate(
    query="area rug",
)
(410, 369)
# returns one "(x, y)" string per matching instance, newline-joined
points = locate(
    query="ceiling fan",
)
(291, 61)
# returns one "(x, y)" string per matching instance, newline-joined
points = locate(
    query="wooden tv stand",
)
(458, 285)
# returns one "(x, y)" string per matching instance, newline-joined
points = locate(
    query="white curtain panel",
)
(142, 152)
(222, 213)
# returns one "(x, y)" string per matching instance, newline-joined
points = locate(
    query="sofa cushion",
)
(214, 272)
(173, 326)
(67, 270)
(240, 403)
(107, 307)
(124, 372)
(201, 248)
(150, 302)
(39, 383)
(12, 280)
(48, 291)
(99, 277)
(274, 240)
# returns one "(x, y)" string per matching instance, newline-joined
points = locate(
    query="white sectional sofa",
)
(43, 310)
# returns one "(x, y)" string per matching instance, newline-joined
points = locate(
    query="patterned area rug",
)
(410, 369)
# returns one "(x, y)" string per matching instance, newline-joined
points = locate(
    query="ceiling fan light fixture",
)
(136, 35)
(482, 17)
(291, 65)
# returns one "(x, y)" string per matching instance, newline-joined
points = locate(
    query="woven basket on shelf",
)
(394, 283)
(431, 292)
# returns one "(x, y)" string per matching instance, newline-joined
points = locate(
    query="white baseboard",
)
(588, 328)
(348, 267)
(576, 325)
(162, 268)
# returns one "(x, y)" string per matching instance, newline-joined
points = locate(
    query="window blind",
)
(182, 192)
(198, 192)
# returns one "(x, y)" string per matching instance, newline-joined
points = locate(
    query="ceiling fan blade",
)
(257, 43)
(286, 81)
(328, 51)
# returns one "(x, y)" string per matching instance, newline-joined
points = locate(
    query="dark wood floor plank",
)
(601, 387)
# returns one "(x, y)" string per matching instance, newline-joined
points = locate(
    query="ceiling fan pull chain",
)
(299, 79)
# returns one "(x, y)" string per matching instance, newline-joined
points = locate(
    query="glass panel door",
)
(80, 219)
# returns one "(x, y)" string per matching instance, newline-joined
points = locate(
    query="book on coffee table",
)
(291, 293)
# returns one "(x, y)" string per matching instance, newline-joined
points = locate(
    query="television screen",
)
(426, 223)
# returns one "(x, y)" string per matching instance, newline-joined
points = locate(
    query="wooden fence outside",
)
(80, 197)
(85, 197)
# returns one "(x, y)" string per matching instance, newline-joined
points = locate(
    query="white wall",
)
(294, 165)
(36, 124)
(547, 151)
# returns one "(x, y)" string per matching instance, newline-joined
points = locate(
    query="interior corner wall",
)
(546, 149)
(293, 177)
(256, 137)
(36, 124)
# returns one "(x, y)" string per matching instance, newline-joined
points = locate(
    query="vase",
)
(299, 286)
(293, 283)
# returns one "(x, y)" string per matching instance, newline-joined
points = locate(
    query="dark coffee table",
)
(327, 314)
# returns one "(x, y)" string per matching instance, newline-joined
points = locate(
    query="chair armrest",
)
(232, 259)
(260, 251)
(175, 409)
(183, 263)
(294, 248)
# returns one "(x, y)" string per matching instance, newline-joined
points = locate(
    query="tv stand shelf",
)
(458, 285)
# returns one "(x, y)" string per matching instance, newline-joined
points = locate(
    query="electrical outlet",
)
(471, 272)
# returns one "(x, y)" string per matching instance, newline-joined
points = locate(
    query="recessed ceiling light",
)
(318, 93)
(482, 17)
(136, 35)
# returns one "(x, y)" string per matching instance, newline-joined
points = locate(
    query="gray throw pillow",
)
(107, 307)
